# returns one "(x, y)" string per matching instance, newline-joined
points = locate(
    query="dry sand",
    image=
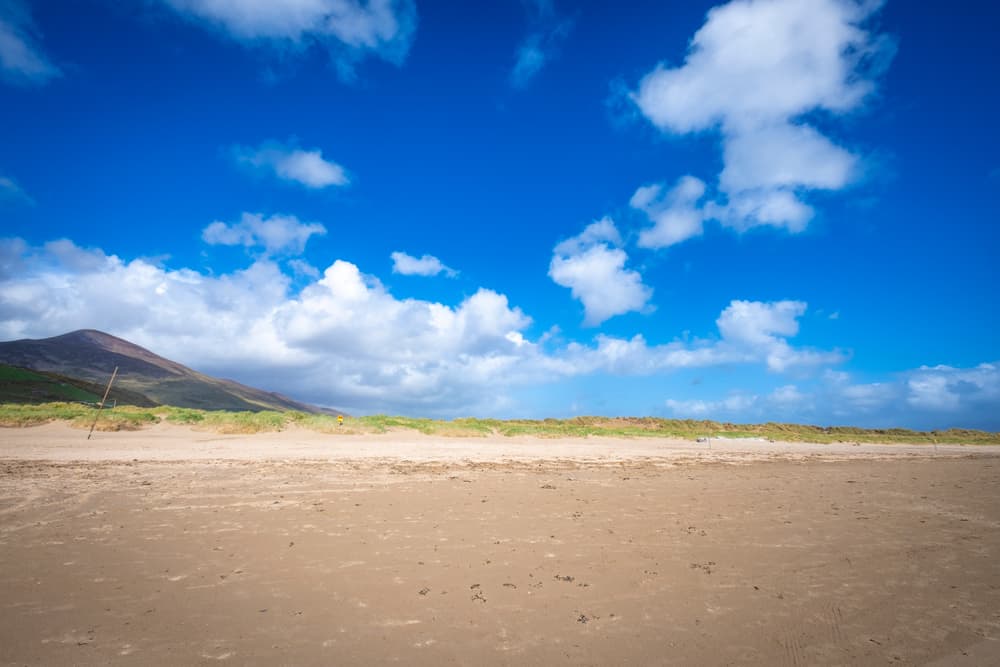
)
(171, 546)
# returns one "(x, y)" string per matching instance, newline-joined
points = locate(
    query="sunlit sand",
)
(173, 546)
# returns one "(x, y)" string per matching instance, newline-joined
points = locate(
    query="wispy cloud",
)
(734, 404)
(290, 163)
(11, 191)
(547, 32)
(428, 265)
(752, 72)
(277, 234)
(22, 60)
(948, 389)
(350, 29)
(592, 265)
(925, 397)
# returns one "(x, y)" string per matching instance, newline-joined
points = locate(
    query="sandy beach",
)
(175, 546)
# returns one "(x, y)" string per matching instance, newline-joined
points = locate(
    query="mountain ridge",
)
(91, 355)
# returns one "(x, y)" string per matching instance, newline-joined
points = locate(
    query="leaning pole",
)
(101, 406)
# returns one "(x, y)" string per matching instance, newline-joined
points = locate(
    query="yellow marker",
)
(340, 420)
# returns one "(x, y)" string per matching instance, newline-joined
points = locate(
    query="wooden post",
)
(101, 406)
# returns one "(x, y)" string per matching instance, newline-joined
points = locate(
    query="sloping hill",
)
(20, 385)
(92, 355)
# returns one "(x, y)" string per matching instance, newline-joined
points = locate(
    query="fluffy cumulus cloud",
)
(749, 332)
(592, 265)
(428, 265)
(277, 234)
(753, 72)
(350, 29)
(675, 213)
(758, 323)
(542, 43)
(289, 163)
(22, 60)
(343, 339)
(765, 328)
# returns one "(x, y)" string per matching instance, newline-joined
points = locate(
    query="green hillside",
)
(20, 385)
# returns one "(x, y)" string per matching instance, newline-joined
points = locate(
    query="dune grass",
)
(122, 418)
(131, 418)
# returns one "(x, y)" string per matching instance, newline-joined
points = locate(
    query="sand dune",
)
(172, 546)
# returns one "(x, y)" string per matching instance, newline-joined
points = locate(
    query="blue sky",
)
(757, 210)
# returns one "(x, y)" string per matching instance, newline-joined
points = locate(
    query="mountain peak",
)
(91, 337)
(92, 355)
(91, 344)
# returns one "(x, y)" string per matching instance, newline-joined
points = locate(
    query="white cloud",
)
(936, 397)
(428, 265)
(598, 232)
(750, 332)
(788, 394)
(734, 405)
(923, 397)
(21, 59)
(760, 323)
(784, 156)
(764, 327)
(302, 268)
(675, 214)
(350, 29)
(756, 61)
(752, 208)
(278, 234)
(595, 272)
(932, 392)
(845, 399)
(289, 163)
(542, 43)
(342, 340)
(752, 72)
(867, 397)
(948, 389)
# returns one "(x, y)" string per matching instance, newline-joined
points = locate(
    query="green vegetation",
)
(122, 418)
(241, 422)
(21, 385)
(130, 418)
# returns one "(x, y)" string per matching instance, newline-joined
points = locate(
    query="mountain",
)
(20, 385)
(91, 356)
